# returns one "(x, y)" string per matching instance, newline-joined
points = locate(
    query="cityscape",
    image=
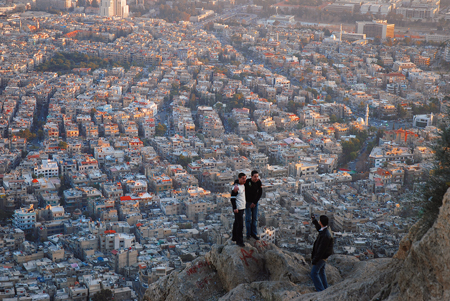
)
(124, 125)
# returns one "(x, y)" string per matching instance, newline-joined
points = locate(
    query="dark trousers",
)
(238, 227)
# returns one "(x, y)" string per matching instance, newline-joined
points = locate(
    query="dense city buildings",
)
(121, 134)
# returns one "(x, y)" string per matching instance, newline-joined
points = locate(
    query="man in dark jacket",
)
(322, 249)
(253, 192)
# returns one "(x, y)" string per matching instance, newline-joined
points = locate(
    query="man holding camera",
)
(322, 249)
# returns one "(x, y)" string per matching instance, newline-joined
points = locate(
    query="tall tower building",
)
(367, 116)
(447, 53)
(110, 8)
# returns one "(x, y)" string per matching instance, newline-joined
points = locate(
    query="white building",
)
(268, 234)
(109, 8)
(447, 53)
(387, 153)
(24, 218)
(423, 120)
(48, 169)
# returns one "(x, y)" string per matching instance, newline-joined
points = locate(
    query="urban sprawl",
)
(122, 133)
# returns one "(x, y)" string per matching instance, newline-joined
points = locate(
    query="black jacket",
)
(323, 246)
(253, 191)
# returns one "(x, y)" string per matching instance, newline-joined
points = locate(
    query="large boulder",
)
(266, 290)
(364, 282)
(198, 279)
(286, 266)
(229, 268)
(237, 265)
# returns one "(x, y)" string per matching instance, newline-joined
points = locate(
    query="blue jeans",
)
(318, 276)
(251, 219)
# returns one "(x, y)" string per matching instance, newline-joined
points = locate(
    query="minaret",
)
(340, 34)
(367, 116)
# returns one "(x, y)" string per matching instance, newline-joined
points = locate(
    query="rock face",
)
(258, 271)
(419, 271)
(425, 272)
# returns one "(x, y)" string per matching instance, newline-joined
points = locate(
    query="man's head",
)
(323, 220)
(242, 178)
(255, 176)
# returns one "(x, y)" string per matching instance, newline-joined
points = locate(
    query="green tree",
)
(26, 134)
(103, 295)
(232, 123)
(94, 3)
(333, 118)
(6, 215)
(438, 182)
(40, 134)
(160, 129)
(184, 161)
(62, 145)
(192, 101)
(401, 111)
(93, 111)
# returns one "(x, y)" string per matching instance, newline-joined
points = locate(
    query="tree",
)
(401, 111)
(232, 123)
(26, 134)
(103, 295)
(192, 101)
(40, 134)
(377, 40)
(438, 181)
(93, 111)
(333, 118)
(184, 161)
(127, 158)
(160, 129)
(94, 3)
(62, 145)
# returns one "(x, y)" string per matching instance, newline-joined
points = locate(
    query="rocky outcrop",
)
(260, 270)
(419, 271)
(425, 272)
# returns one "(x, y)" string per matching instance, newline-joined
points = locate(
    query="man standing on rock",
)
(322, 249)
(253, 192)
(238, 203)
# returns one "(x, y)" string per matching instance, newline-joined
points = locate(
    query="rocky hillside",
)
(419, 271)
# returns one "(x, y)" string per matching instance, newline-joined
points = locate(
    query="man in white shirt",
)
(238, 203)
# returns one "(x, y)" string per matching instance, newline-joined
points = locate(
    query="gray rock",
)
(236, 265)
